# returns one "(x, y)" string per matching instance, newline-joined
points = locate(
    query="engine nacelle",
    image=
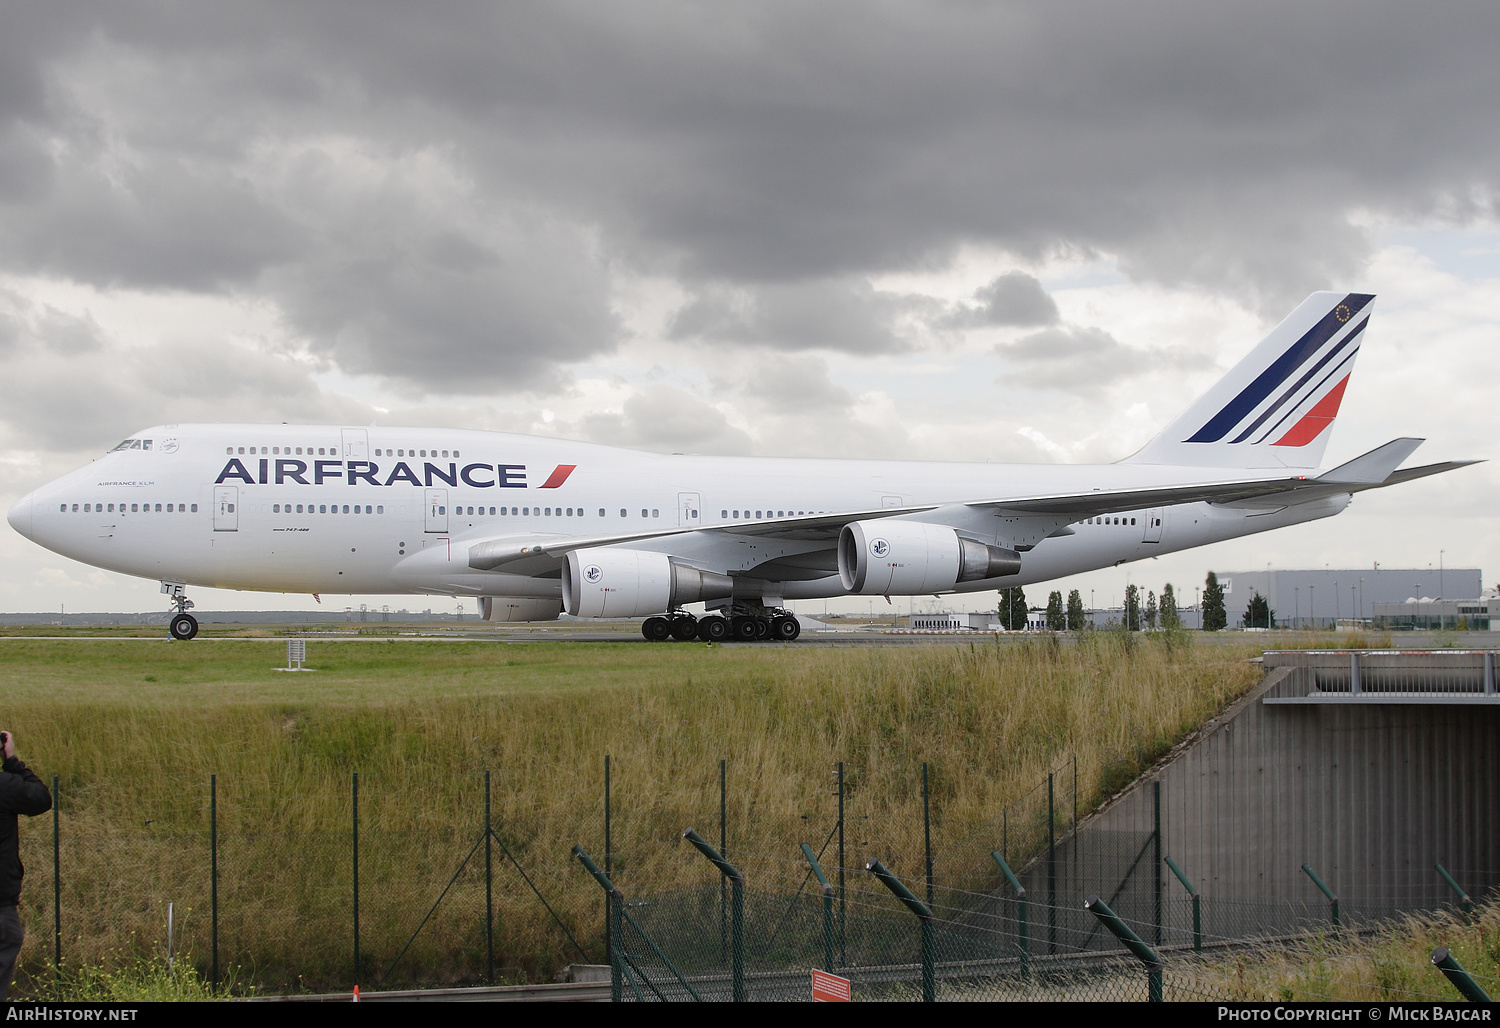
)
(605, 583)
(519, 608)
(888, 557)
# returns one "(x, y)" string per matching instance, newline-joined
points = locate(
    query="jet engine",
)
(885, 557)
(519, 608)
(600, 582)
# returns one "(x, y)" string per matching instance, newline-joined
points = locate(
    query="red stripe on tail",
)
(1316, 420)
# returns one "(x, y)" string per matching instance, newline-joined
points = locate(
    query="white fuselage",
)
(389, 510)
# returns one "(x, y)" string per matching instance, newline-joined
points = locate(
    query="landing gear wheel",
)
(713, 629)
(656, 629)
(762, 629)
(183, 627)
(785, 628)
(685, 629)
(745, 629)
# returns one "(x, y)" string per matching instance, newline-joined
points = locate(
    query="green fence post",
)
(817, 869)
(1197, 920)
(1453, 970)
(924, 914)
(1156, 883)
(612, 899)
(621, 957)
(355, 822)
(489, 903)
(736, 913)
(1015, 883)
(723, 848)
(843, 935)
(1463, 897)
(1051, 870)
(213, 874)
(1332, 899)
(56, 882)
(1133, 942)
(927, 830)
(609, 912)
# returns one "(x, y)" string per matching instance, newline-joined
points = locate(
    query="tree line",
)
(1156, 612)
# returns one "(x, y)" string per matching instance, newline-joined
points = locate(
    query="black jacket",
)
(21, 792)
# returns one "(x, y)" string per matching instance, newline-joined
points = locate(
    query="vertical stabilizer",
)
(1276, 407)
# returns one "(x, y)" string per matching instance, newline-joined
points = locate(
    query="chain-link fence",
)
(286, 883)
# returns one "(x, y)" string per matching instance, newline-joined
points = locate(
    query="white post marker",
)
(296, 653)
(830, 988)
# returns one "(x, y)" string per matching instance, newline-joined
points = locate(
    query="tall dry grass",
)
(135, 729)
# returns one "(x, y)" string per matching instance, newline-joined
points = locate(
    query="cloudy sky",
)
(936, 231)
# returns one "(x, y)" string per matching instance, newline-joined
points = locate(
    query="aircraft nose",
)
(20, 515)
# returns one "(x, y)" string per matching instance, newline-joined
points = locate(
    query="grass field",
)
(134, 728)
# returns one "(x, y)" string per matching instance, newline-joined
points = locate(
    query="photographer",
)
(21, 792)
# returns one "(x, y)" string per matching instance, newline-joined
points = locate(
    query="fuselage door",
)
(226, 508)
(688, 510)
(437, 510)
(1155, 518)
(356, 444)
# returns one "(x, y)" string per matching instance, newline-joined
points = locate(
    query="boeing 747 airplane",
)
(532, 526)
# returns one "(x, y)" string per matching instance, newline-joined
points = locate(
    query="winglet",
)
(1374, 467)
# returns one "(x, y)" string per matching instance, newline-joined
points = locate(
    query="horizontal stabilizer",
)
(1374, 467)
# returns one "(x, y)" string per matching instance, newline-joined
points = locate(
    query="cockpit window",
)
(133, 444)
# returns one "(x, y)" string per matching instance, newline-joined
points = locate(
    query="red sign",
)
(830, 988)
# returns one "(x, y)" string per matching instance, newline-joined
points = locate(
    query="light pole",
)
(1312, 605)
(1268, 596)
(1335, 603)
(1296, 600)
(1361, 597)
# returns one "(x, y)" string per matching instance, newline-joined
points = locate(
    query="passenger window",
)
(346, 508)
(228, 449)
(135, 508)
(622, 512)
(455, 453)
(242, 449)
(526, 512)
(380, 510)
(655, 513)
(601, 512)
(231, 508)
(723, 513)
(643, 512)
(62, 508)
(195, 508)
(158, 508)
(1132, 521)
(445, 453)
(275, 508)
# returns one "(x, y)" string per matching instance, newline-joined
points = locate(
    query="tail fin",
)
(1276, 407)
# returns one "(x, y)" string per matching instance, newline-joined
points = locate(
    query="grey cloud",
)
(1014, 298)
(668, 420)
(789, 384)
(65, 388)
(1073, 358)
(834, 315)
(763, 158)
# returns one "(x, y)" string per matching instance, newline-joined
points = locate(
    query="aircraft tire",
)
(685, 629)
(745, 629)
(713, 629)
(762, 629)
(785, 628)
(183, 627)
(656, 629)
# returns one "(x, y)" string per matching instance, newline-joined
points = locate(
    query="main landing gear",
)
(183, 625)
(743, 624)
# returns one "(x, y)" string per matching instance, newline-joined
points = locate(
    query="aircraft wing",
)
(533, 554)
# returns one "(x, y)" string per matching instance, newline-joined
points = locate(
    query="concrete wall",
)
(1370, 795)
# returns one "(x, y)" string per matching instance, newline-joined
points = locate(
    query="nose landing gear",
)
(183, 625)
